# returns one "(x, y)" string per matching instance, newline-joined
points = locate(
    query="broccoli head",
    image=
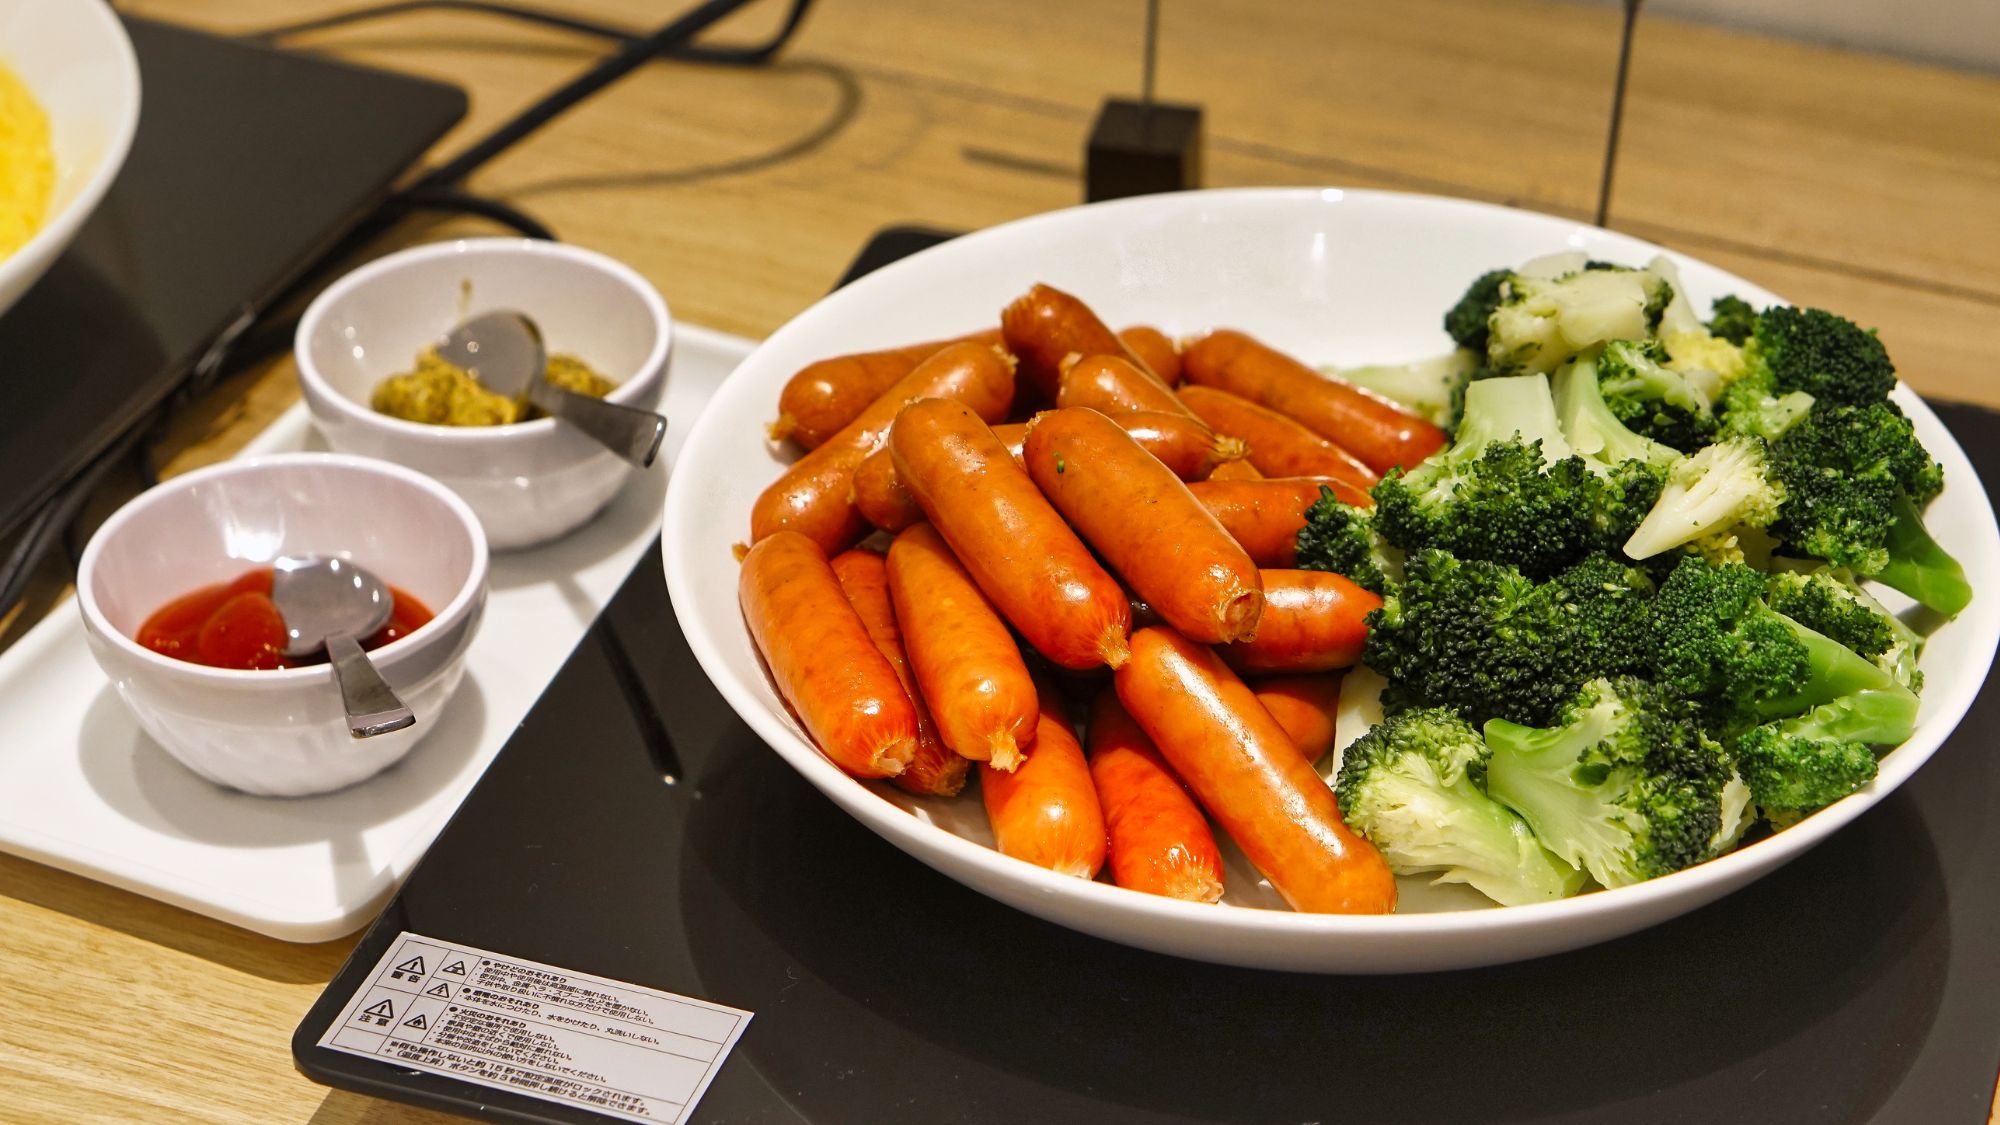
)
(1812, 760)
(1733, 319)
(1725, 485)
(1595, 430)
(1830, 602)
(1623, 784)
(1341, 538)
(1466, 320)
(1827, 356)
(1540, 324)
(1411, 785)
(1651, 399)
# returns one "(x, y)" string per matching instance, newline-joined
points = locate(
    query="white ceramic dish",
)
(84, 789)
(531, 482)
(74, 56)
(1332, 277)
(282, 732)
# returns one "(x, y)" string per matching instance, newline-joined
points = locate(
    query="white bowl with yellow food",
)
(69, 106)
(365, 343)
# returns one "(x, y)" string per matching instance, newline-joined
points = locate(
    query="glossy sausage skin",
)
(935, 769)
(1278, 446)
(1143, 521)
(1245, 771)
(966, 664)
(1375, 430)
(1111, 384)
(825, 396)
(1047, 812)
(815, 495)
(1045, 325)
(1236, 470)
(1313, 622)
(1265, 516)
(823, 660)
(1306, 706)
(1155, 349)
(1182, 443)
(1160, 841)
(1038, 573)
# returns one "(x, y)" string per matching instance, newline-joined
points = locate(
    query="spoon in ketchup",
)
(330, 604)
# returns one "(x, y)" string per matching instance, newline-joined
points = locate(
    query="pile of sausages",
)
(1142, 519)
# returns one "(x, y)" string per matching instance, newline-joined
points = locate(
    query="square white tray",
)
(83, 789)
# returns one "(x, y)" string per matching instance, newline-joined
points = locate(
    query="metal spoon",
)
(504, 349)
(331, 604)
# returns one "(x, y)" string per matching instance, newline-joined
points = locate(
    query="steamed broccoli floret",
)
(1466, 320)
(1622, 784)
(1411, 786)
(1605, 606)
(1652, 400)
(1831, 603)
(1341, 538)
(1750, 406)
(1828, 357)
(1854, 480)
(1541, 324)
(1815, 759)
(1733, 320)
(1433, 388)
(1725, 485)
(1508, 490)
(1594, 430)
(1712, 638)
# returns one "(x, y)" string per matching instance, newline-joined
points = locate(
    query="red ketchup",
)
(237, 625)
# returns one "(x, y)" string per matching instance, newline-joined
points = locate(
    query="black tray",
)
(635, 828)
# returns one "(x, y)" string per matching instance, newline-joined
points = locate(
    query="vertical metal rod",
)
(1617, 110)
(1152, 49)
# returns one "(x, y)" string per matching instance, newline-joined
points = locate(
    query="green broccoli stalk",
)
(1341, 538)
(1623, 784)
(1594, 430)
(1832, 603)
(1432, 388)
(1410, 785)
(1653, 400)
(1541, 324)
(1810, 761)
(1725, 485)
(1712, 638)
(1827, 356)
(1855, 479)
(1733, 319)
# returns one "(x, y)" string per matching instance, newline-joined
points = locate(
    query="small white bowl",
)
(282, 732)
(74, 57)
(529, 482)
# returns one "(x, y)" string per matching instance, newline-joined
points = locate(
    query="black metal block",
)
(1138, 148)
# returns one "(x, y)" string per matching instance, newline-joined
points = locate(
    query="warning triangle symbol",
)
(416, 1021)
(456, 968)
(440, 989)
(413, 965)
(383, 1009)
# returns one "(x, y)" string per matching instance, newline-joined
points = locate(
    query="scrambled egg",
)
(27, 164)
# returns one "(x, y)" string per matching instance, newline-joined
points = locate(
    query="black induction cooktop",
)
(635, 828)
(249, 163)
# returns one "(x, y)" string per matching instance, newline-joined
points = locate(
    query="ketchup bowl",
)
(281, 731)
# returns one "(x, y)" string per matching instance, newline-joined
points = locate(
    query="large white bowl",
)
(1330, 276)
(530, 482)
(73, 55)
(282, 732)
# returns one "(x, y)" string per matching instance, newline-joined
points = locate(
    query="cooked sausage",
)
(1380, 433)
(935, 769)
(1313, 621)
(1306, 706)
(1250, 777)
(814, 496)
(1044, 325)
(1278, 446)
(823, 660)
(1110, 384)
(1265, 516)
(1146, 524)
(1047, 811)
(966, 664)
(1154, 349)
(1160, 842)
(1039, 574)
(1236, 470)
(825, 396)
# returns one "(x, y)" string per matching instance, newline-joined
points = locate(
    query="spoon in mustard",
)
(504, 351)
(331, 604)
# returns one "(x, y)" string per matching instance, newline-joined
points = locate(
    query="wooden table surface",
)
(1865, 185)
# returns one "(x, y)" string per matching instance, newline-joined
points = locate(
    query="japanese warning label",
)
(633, 1053)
